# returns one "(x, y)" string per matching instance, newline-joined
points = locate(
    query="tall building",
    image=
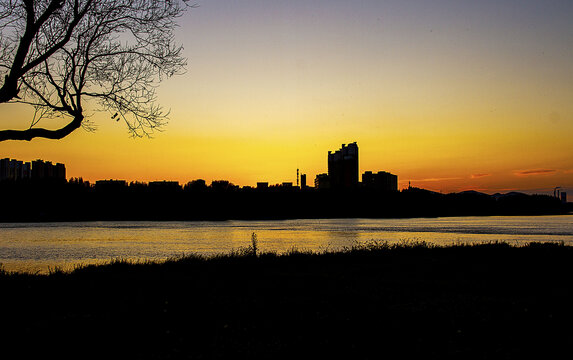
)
(27, 170)
(16, 170)
(38, 169)
(11, 169)
(60, 171)
(4, 169)
(49, 170)
(343, 166)
(46, 170)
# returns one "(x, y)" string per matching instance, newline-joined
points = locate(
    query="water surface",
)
(38, 246)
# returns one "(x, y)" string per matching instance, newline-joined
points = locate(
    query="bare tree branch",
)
(57, 54)
(32, 133)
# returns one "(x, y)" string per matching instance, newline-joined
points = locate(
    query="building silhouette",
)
(343, 166)
(43, 170)
(164, 185)
(321, 181)
(262, 185)
(16, 170)
(382, 180)
(111, 185)
(303, 181)
(196, 185)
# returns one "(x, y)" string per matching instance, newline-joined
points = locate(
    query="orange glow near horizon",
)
(476, 101)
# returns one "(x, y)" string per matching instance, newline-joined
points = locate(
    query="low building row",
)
(15, 170)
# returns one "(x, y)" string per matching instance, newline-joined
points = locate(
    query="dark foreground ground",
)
(462, 302)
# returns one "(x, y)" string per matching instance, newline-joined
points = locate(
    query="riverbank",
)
(480, 301)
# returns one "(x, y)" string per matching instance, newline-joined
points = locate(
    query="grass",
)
(371, 300)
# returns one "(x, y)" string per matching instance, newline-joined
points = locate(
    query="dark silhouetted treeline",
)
(76, 200)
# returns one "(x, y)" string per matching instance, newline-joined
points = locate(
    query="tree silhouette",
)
(57, 55)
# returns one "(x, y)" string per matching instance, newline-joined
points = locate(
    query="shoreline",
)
(219, 220)
(474, 301)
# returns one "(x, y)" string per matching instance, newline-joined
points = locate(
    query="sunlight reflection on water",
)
(37, 246)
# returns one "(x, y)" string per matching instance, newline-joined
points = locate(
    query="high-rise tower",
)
(343, 166)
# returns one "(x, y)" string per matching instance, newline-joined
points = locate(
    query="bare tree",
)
(56, 55)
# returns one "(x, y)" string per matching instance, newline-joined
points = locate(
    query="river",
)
(38, 247)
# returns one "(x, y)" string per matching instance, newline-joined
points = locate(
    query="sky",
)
(450, 95)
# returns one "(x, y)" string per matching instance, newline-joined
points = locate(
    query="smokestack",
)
(297, 177)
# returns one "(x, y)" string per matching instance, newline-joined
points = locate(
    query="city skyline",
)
(342, 174)
(451, 96)
(342, 167)
(332, 172)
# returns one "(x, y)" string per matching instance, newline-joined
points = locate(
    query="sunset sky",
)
(448, 94)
